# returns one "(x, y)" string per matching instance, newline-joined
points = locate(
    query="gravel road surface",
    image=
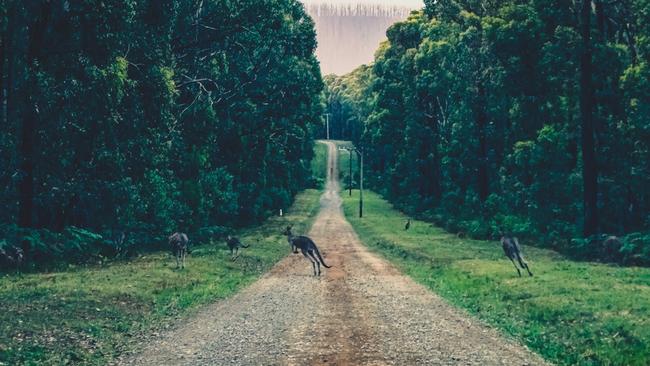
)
(362, 311)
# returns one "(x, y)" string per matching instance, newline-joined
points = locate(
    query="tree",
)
(152, 116)
(528, 116)
(589, 169)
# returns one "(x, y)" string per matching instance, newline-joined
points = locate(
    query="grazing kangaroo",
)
(178, 243)
(11, 256)
(234, 244)
(408, 224)
(118, 239)
(308, 249)
(513, 251)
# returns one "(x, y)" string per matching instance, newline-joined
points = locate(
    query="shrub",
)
(632, 249)
(636, 249)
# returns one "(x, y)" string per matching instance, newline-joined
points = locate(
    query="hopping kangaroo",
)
(178, 243)
(234, 244)
(513, 251)
(308, 249)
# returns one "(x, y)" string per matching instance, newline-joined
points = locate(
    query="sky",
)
(407, 3)
(350, 31)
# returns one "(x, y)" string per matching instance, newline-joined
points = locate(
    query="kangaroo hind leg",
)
(304, 252)
(524, 265)
(313, 256)
(515, 264)
(235, 255)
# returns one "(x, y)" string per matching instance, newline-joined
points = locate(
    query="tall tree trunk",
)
(3, 93)
(600, 19)
(7, 62)
(627, 32)
(481, 122)
(480, 114)
(436, 183)
(29, 123)
(437, 177)
(589, 169)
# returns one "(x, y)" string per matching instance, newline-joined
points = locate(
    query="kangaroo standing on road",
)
(234, 244)
(308, 249)
(178, 243)
(513, 251)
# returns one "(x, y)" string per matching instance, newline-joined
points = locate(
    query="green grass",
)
(319, 163)
(569, 312)
(90, 314)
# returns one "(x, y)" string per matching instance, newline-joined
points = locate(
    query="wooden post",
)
(350, 178)
(361, 184)
(327, 119)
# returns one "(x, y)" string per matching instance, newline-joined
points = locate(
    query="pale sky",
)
(350, 31)
(408, 3)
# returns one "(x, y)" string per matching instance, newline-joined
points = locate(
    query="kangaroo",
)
(234, 244)
(178, 243)
(11, 256)
(513, 251)
(408, 224)
(308, 249)
(118, 239)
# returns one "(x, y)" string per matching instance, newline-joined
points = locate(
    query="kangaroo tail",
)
(245, 246)
(320, 258)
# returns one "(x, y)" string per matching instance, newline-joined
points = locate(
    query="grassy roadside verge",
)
(90, 314)
(569, 312)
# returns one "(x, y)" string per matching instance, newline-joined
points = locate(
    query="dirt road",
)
(362, 311)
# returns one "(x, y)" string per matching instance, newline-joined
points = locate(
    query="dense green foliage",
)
(148, 116)
(346, 99)
(572, 313)
(90, 314)
(527, 115)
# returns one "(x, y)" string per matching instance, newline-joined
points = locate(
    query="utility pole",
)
(360, 160)
(327, 119)
(360, 152)
(350, 177)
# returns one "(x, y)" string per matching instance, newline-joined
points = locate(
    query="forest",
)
(479, 125)
(124, 120)
(530, 117)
